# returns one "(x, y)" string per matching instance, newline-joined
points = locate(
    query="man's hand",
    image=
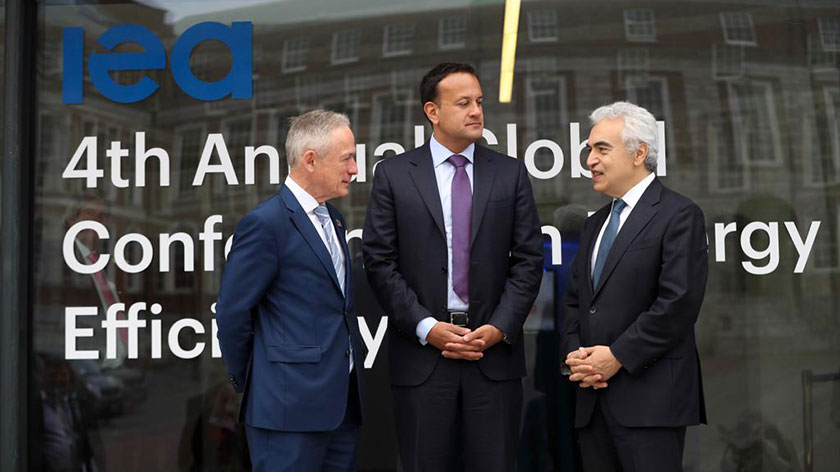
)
(450, 340)
(474, 342)
(593, 381)
(594, 368)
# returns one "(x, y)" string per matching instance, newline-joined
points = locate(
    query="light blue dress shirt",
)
(444, 173)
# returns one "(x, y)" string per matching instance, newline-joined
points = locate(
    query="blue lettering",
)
(238, 82)
(73, 45)
(153, 57)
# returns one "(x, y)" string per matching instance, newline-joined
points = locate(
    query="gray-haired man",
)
(633, 297)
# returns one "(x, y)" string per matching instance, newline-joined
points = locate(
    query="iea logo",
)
(238, 37)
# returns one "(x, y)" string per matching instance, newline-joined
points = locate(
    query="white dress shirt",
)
(309, 204)
(444, 173)
(631, 198)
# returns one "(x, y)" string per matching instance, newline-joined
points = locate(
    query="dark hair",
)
(428, 86)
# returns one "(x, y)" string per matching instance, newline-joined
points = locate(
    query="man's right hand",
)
(450, 340)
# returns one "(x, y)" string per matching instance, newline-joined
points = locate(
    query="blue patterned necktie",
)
(607, 241)
(332, 245)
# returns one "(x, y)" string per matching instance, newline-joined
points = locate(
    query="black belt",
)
(459, 318)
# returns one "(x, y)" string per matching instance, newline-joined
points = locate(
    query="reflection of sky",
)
(179, 9)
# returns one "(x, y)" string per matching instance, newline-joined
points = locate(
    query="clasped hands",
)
(592, 366)
(456, 342)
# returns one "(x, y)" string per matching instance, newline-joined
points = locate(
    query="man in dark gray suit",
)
(633, 297)
(452, 249)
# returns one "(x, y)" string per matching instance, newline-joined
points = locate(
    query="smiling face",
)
(615, 170)
(330, 174)
(457, 116)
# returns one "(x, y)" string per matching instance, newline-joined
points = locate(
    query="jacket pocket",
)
(292, 353)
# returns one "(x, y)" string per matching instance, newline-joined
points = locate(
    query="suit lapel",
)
(638, 219)
(484, 176)
(423, 175)
(304, 226)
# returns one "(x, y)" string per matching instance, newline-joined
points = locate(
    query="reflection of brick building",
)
(749, 94)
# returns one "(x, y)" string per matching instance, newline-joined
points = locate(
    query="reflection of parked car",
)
(134, 384)
(106, 390)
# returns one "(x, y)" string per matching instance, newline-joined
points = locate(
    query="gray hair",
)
(639, 127)
(312, 131)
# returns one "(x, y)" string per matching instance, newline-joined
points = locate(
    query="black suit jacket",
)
(644, 309)
(406, 258)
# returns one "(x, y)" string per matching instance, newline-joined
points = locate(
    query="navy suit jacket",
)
(406, 258)
(283, 322)
(644, 308)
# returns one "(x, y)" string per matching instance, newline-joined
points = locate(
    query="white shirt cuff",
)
(423, 327)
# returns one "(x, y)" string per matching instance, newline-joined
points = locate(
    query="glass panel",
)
(747, 97)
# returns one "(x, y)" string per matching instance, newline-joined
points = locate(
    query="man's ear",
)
(641, 154)
(431, 111)
(308, 160)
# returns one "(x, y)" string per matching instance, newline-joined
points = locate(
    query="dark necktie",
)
(461, 223)
(607, 241)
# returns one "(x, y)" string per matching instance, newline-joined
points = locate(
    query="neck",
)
(638, 178)
(455, 145)
(302, 179)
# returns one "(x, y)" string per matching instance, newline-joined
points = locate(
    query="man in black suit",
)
(452, 249)
(634, 295)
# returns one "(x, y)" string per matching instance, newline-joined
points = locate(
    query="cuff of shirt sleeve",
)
(423, 327)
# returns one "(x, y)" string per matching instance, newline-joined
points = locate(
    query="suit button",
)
(592, 310)
(443, 270)
(347, 353)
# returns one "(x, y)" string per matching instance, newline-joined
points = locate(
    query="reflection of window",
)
(397, 39)
(345, 46)
(633, 62)
(738, 28)
(542, 25)
(237, 133)
(47, 148)
(452, 32)
(50, 58)
(652, 94)
(546, 105)
(392, 118)
(825, 165)
(827, 244)
(134, 282)
(639, 25)
(755, 125)
(178, 279)
(818, 57)
(294, 54)
(727, 62)
(830, 34)
(189, 151)
(727, 169)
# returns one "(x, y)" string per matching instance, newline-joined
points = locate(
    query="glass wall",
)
(142, 175)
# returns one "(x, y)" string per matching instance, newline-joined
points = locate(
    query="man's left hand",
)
(489, 334)
(599, 360)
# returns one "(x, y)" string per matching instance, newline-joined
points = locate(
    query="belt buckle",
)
(459, 318)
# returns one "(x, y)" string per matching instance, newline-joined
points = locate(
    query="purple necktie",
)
(461, 223)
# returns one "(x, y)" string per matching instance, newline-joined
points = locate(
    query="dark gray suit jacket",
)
(406, 258)
(644, 308)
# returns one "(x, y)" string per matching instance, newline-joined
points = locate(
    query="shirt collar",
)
(440, 153)
(632, 197)
(307, 202)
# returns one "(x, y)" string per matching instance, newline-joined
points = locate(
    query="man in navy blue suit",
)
(631, 303)
(287, 330)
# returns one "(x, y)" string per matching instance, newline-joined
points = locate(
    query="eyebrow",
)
(602, 144)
